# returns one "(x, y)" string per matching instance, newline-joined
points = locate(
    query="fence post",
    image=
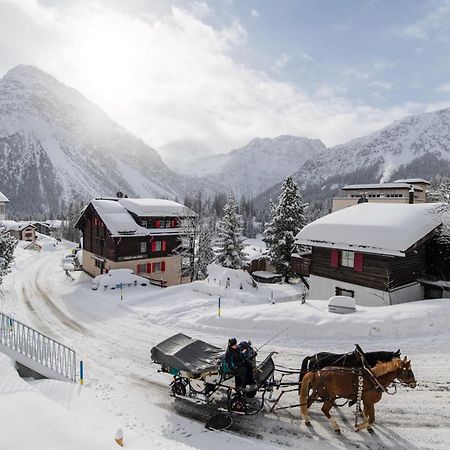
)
(218, 311)
(81, 372)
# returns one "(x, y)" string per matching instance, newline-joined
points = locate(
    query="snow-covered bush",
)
(7, 246)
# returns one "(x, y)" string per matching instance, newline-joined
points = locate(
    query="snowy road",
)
(114, 338)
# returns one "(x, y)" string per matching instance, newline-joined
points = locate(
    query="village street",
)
(114, 338)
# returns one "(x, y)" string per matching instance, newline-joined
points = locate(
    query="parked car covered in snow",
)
(70, 262)
(116, 277)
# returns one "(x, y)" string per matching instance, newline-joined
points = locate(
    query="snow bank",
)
(28, 409)
(258, 316)
(230, 278)
(118, 276)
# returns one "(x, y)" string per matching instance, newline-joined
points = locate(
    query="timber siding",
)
(378, 272)
(131, 246)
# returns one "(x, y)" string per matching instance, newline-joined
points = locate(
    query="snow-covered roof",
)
(3, 198)
(13, 225)
(155, 207)
(382, 228)
(115, 214)
(395, 185)
(412, 180)
(117, 219)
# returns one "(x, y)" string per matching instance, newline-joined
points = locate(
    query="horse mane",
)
(382, 368)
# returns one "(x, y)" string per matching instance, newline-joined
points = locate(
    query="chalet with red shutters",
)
(380, 254)
(139, 234)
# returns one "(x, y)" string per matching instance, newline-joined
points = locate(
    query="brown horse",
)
(331, 383)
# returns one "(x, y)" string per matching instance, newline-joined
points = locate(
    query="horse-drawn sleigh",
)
(201, 375)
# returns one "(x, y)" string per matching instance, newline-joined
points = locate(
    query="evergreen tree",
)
(69, 217)
(250, 231)
(7, 247)
(231, 253)
(287, 219)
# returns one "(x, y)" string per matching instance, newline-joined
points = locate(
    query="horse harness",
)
(360, 372)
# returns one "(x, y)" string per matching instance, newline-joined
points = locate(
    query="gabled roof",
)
(3, 198)
(118, 220)
(12, 225)
(387, 229)
(154, 207)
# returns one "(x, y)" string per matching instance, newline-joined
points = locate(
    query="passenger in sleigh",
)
(238, 359)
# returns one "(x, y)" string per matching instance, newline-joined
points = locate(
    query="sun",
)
(110, 63)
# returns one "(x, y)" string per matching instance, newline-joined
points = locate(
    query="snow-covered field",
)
(124, 390)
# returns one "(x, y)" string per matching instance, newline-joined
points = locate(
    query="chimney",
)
(411, 195)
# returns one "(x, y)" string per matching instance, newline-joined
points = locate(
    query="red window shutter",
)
(359, 262)
(149, 268)
(334, 261)
(163, 266)
(153, 246)
(174, 223)
(163, 246)
(157, 224)
(138, 267)
(153, 267)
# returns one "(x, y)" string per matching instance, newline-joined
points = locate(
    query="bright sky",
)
(221, 72)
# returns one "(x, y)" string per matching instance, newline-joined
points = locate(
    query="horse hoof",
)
(307, 423)
(370, 430)
(337, 431)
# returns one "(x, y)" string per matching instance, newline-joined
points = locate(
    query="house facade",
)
(412, 190)
(137, 234)
(3, 202)
(24, 231)
(378, 254)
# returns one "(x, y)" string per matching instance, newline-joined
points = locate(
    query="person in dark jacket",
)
(237, 360)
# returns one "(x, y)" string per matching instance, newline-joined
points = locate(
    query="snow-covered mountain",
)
(55, 146)
(407, 147)
(260, 164)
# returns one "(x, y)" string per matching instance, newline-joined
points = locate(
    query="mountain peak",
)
(29, 75)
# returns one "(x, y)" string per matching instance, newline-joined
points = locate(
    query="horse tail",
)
(304, 368)
(304, 389)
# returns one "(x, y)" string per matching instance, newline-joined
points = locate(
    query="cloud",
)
(443, 88)
(381, 85)
(281, 62)
(167, 75)
(433, 27)
(254, 13)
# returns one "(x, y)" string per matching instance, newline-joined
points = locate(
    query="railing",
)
(38, 347)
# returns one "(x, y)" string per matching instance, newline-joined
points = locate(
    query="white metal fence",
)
(38, 347)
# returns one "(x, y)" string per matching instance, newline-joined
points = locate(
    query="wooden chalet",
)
(138, 234)
(24, 231)
(380, 254)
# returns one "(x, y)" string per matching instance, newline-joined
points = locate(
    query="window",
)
(159, 266)
(344, 292)
(347, 259)
(143, 247)
(158, 246)
(144, 223)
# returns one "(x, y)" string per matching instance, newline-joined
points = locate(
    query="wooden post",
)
(81, 373)
(218, 311)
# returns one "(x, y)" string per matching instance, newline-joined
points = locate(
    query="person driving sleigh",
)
(237, 358)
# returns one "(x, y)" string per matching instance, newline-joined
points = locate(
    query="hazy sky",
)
(223, 72)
